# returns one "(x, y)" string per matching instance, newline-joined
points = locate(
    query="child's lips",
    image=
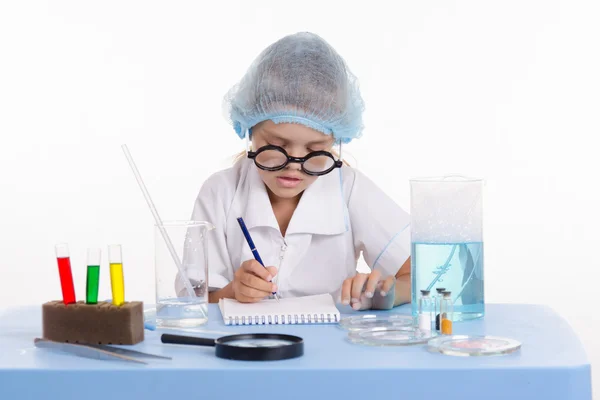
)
(288, 181)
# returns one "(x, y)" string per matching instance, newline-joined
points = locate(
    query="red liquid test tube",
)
(64, 270)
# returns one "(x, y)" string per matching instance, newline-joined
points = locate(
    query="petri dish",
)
(473, 345)
(391, 336)
(369, 321)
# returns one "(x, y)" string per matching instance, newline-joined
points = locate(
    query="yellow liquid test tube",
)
(117, 281)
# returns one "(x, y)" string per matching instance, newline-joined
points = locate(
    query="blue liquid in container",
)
(457, 267)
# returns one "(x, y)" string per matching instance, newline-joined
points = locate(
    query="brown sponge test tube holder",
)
(101, 323)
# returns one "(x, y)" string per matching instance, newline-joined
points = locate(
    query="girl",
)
(310, 215)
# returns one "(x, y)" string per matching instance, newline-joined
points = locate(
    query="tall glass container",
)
(175, 308)
(447, 242)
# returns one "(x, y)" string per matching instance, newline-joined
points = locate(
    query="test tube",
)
(425, 311)
(64, 270)
(446, 311)
(117, 281)
(93, 275)
(437, 302)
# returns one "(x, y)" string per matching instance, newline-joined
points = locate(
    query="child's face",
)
(297, 140)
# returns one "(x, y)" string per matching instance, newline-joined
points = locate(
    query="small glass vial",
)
(446, 311)
(437, 300)
(425, 311)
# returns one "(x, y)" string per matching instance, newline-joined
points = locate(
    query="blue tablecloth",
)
(552, 364)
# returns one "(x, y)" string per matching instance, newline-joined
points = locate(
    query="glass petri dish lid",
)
(473, 345)
(369, 321)
(391, 336)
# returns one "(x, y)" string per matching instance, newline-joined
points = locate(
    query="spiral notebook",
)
(317, 309)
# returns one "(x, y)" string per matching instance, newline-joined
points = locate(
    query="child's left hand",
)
(369, 291)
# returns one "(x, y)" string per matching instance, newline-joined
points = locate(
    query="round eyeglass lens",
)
(271, 158)
(318, 164)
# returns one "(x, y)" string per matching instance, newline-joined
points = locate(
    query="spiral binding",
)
(279, 319)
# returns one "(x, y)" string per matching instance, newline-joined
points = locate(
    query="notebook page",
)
(296, 306)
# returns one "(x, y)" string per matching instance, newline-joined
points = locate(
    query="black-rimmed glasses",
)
(275, 158)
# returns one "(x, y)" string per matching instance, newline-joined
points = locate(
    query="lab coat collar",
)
(321, 210)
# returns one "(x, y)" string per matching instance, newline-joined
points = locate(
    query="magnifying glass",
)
(246, 347)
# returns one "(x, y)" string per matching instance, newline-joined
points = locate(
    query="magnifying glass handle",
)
(178, 339)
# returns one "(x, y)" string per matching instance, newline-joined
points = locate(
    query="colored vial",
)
(93, 275)
(436, 304)
(64, 270)
(117, 283)
(425, 311)
(446, 311)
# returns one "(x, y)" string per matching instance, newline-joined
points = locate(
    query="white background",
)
(504, 90)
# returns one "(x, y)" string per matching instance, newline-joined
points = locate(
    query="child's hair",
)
(298, 79)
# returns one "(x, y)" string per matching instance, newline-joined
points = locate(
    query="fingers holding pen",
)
(252, 282)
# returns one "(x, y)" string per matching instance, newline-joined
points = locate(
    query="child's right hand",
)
(251, 282)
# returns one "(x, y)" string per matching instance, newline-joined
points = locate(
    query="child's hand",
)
(369, 291)
(251, 282)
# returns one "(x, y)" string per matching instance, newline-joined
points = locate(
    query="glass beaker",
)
(447, 242)
(174, 306)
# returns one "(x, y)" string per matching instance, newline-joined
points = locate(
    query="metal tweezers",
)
(97, 351)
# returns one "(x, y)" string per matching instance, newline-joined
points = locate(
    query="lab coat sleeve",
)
(381, 228)
(211, 205)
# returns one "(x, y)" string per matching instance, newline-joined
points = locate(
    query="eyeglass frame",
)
(301, 160)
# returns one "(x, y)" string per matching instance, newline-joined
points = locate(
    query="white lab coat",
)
(340, 215)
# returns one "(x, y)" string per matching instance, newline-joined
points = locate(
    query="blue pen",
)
(252, 247)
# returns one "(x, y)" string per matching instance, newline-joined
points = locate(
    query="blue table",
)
(552, 364)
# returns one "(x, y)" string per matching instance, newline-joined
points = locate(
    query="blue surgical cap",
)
(298, 79)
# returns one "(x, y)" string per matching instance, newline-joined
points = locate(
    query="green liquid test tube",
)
(93, 276)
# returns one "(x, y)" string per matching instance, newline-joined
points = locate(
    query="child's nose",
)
(298, 152)
(294, 166)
